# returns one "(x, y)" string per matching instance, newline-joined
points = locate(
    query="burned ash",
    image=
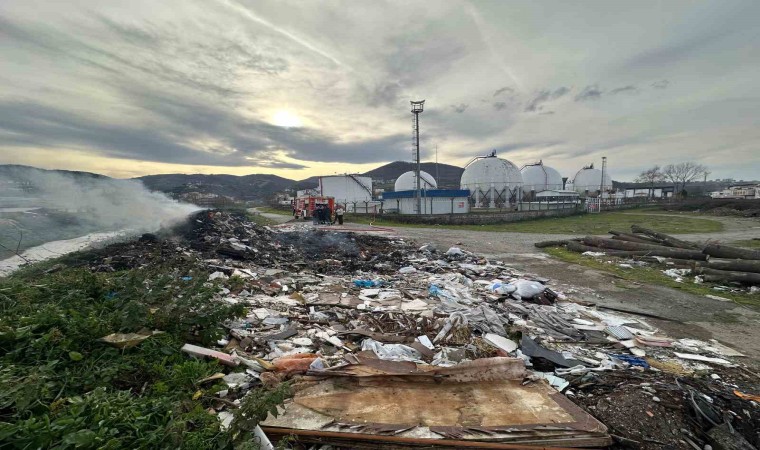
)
(230, 239)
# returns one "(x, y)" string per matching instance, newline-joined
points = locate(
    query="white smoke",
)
(104, 204)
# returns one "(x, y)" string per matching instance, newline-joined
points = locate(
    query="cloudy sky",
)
(319, 87)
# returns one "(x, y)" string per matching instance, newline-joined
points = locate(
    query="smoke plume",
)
(49, 205)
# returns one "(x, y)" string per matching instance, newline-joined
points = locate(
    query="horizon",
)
(245, 87)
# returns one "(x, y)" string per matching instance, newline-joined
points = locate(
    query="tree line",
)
(679, 174)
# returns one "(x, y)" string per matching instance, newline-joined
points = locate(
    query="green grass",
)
(749, 243)
(272, 210)
(580, 224)
(61, 387)
(650, 275)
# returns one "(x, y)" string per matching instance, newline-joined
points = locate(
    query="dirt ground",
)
(690, 315)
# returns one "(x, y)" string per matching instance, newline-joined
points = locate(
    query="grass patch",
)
(581, 224)
(749, 243)
(272, 210)
(61, 387)
(650, 275)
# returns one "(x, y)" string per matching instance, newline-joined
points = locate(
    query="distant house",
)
(738, 192)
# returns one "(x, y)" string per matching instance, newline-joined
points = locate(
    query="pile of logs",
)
(713, 262)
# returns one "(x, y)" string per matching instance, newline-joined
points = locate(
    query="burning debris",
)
(385, 343)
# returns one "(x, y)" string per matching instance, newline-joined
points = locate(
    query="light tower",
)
(604, 172)
(416, 110)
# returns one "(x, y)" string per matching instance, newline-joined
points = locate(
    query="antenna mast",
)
(417, 107)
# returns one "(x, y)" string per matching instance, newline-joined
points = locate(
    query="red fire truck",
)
(303, 207)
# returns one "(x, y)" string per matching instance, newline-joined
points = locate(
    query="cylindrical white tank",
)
(408, 181)
(493, 182)
(538, 177)
(589, 180)
(346, 188)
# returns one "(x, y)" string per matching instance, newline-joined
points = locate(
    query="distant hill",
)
(448, 175)
(16, 171)
(254, 186)
(385, 176)
(246, 187)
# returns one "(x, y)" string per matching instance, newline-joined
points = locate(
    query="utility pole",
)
(437, 175)
(417, 107)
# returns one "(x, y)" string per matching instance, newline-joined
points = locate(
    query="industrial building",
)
(437, 201)
(493, 182)
(407, 181)
(588, 181)
(538, 178)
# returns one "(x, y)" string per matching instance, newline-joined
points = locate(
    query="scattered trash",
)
(369, 320)
(127, 340)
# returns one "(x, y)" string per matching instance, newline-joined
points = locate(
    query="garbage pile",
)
(710, 262)
(389, 343)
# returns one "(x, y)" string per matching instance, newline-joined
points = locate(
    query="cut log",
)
(671, 262)
(670, 241)
(651, 250)
(558, 243)
(725, 251)
(643, 237)
(727, 276)
(737, 265)
(577, 247)
(618, 245)
(632, 238)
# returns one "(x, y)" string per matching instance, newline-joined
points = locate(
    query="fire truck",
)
(303, 207)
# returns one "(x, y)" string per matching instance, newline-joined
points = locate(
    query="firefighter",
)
(339, 215)
(316, 214)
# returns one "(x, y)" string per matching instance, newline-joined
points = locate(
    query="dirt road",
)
(690, 315)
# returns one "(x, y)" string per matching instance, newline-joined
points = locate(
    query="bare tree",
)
(682, 173)
(651, 176)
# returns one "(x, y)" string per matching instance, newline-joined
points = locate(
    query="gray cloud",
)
(460, 108)
(503, 90)
(383, 94)
(543, 96)
(181, 83)
(624, 89)
(591, 92)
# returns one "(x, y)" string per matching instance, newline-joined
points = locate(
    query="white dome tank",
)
(407, 181)
(538, 177)
(589, 179)
(492, 181)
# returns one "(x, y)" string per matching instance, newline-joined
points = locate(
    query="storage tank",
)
(407, 181)
(493, 182)
(346, 188)
(588, 181)
(538, 177)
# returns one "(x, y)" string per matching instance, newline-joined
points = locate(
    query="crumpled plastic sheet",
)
(392, 352)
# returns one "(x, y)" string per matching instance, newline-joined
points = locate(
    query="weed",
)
(61, 387)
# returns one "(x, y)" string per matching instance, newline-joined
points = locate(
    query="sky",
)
(299, 89)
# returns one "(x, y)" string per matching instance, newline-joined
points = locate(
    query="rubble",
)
(396, 344)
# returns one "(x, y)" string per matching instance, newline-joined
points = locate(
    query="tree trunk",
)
(622, 248)
(739, 265)
(558, 243)
(646, 239)
(726, 275)
(725, 251)
(577, 247)
(630, 238)
(670, 241)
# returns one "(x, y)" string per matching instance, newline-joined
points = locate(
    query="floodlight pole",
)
(417, 107)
